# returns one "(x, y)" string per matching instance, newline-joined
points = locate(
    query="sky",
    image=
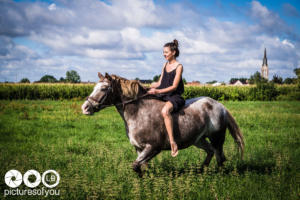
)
(218, 40)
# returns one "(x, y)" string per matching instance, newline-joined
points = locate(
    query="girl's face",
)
(168, 54)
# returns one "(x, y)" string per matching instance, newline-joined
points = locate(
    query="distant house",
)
(146, 81)
(193, 83)
(217, 84)
(238, 83)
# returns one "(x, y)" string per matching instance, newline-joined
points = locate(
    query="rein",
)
(131, 100)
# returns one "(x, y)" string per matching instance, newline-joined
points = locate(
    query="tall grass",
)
(93, 155)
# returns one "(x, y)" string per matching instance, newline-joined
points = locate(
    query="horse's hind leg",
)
(203, 144)
(217, 141)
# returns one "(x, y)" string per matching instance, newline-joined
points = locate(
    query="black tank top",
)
(168, 79)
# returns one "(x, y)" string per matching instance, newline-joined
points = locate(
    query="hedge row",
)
(81, 91)
(45, 91)
(261, 92)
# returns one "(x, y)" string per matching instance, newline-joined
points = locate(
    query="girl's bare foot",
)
(174, 148)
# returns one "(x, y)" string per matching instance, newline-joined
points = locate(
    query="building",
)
(238, 83)
(193, 83)
(217, 84)
(146, 81)
(264, 67)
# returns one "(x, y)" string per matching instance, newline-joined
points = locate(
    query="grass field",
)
(93, 155)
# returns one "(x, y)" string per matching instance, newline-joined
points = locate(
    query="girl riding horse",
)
(170, 87)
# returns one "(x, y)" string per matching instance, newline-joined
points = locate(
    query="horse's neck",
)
(127, 111)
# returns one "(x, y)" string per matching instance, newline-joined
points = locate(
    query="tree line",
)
(257, 78)
(71, 77)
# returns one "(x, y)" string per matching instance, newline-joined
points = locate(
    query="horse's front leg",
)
(144, 156)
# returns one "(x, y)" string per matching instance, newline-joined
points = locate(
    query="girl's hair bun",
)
(176, 43)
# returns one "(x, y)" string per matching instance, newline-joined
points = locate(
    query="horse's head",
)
(111, 90)
(100, 97)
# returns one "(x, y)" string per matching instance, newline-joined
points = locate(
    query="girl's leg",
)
(166, 113)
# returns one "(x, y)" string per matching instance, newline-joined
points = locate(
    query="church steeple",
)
(265, 61)
(264, 67)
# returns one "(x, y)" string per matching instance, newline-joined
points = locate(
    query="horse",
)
(198, 119)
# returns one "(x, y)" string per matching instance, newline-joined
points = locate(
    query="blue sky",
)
(218, 39)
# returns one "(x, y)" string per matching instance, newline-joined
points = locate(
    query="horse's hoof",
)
(136, 167)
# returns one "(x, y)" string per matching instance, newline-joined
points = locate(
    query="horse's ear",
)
(100, 76)
(108, 76)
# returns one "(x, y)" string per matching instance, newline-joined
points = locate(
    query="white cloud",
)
(288, 43)
(52, 7)
(268, 21)
(126, 38)
(260, 11)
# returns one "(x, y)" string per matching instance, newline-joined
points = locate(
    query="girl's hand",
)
(153, 91)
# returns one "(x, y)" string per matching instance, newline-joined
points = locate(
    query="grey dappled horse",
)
(199, 119)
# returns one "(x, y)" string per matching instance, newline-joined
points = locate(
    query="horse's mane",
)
(130, 88)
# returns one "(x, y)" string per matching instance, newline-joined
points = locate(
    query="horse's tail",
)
(235, 132)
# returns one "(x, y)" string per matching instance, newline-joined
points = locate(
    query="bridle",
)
(100, 101)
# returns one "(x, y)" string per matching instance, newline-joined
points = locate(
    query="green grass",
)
(93, 155)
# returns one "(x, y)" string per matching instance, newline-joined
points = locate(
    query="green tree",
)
(233, 80)
(24, 80)
(243, 80)
(257, 78)
(62, 79)
(297, 72)
(72, 77)
(48, 79)
(289, 80)
(156, 78)
(277, 79)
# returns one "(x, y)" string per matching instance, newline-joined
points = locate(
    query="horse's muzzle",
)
(87, 108)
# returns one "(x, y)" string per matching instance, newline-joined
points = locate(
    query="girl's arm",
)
(179, 71)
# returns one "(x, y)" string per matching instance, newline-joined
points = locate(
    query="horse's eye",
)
(104, 89)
